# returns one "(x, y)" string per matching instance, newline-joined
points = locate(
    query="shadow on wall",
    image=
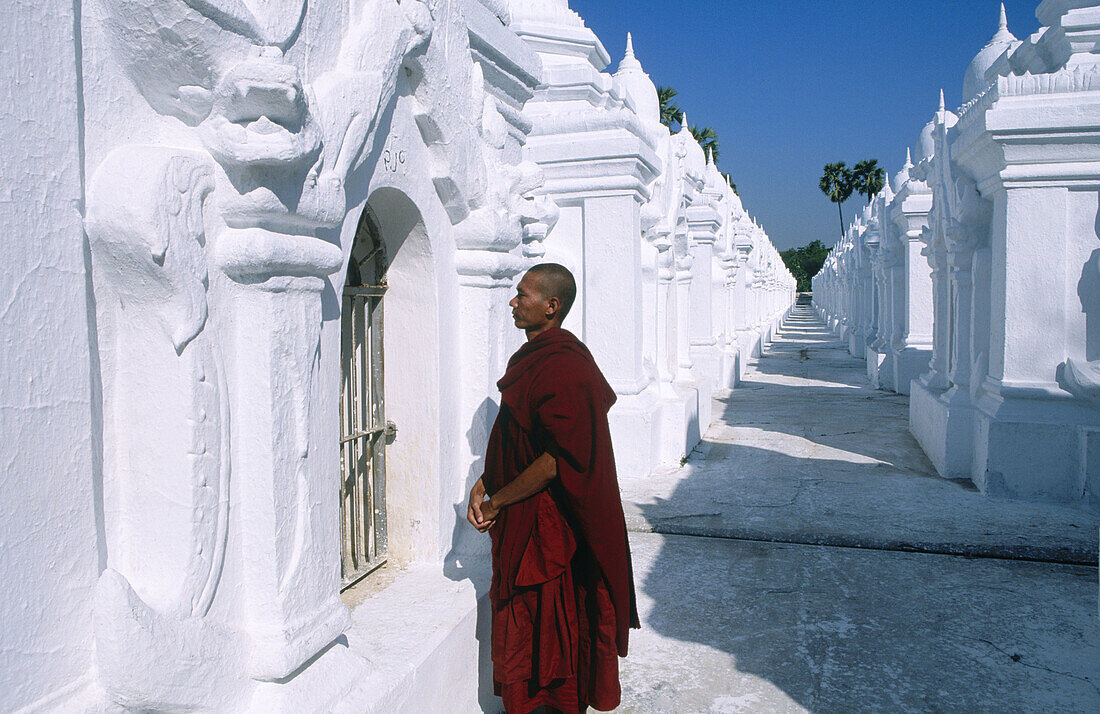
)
(468, 558)
(842, 629)
(1088, 291)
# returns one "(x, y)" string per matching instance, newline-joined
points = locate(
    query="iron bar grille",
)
(362, 436)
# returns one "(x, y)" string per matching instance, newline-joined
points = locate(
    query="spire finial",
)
(1004, 18)
(908, 159)
(683, 121)
(943, 104)
(630, 63)
(710, 156)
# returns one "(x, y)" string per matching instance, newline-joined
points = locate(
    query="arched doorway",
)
(390, 392)
(363, 426)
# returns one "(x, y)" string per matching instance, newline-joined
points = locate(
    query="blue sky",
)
(790, 85)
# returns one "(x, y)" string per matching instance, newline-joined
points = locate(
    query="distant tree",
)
(813, 257)
(836, 183)
(791, 260)
(805, 262)
(707, 139)
(669, 111)
(868, 178)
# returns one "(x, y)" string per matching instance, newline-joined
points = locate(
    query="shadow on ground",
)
(801, 561)
(733, 626)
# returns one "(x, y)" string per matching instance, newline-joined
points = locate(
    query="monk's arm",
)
(534, 478)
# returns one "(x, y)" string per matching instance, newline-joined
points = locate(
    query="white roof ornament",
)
(902, 177)
(633, 79)
(629, 62)
(974, 82)
(887, 192)
(926, 144)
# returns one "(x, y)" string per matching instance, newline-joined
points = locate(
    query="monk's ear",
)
(553, 308)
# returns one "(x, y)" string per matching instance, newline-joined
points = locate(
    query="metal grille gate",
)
(363, 427)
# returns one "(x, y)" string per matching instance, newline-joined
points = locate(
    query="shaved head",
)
(555, 281)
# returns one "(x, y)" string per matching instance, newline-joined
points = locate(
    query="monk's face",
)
(532, 309)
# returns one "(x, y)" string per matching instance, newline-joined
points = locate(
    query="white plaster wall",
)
(919, 295)
(49, 556)
(411, 338)
(565, 245)
(453, 203)
(1024, 348)
(613, 288)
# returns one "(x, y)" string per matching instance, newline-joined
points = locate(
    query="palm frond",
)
(670, 112)
(868, 178)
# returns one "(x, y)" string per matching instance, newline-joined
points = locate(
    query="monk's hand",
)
(475, 511)
(488, 512)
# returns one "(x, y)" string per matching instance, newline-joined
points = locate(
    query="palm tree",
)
(868, 178)
(836, 183)
(669, 111)
(707, 139)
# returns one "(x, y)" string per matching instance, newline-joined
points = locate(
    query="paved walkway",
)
(807, 558)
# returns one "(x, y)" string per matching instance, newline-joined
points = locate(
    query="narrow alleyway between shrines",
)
(807, 558)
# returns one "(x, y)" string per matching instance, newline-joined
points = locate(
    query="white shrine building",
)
(255, 281)
(995, 331)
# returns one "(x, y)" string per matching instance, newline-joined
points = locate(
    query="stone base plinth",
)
(857, 345)
(422, 645)
(681, 427)
(942, 423)
(875, 364)
(704, 388)
(751, 344)
(730, 375)
(636, 433)
(909, 364)
(886, 378)
(708, 363)
(1037, 449)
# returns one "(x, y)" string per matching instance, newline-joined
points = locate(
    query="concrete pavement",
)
(807, 558)
(742, 626)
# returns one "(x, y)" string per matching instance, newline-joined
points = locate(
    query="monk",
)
(562, 594)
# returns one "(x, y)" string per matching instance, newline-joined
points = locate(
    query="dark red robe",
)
(563, 589)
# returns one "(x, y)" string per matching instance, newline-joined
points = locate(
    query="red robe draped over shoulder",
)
(563, 588)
